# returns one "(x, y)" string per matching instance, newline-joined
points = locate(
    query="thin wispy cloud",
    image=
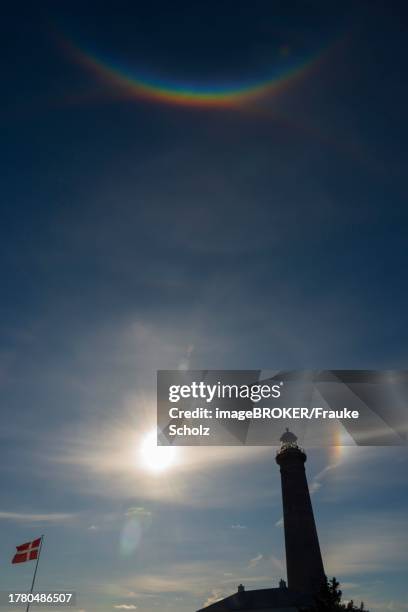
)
(215, 596)
(317, 481)
(366, 544)
(261, 558)
(255, 560)
(201, 579)
(21, 517)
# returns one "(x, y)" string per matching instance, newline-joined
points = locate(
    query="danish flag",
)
(27, 552)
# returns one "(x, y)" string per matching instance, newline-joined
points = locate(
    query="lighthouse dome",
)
(288, 437)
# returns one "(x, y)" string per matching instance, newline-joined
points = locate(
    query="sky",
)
(212, 185)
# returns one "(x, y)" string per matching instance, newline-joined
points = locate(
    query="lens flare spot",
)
(130, 537)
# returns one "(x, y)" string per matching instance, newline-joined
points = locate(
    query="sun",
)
(156, 458)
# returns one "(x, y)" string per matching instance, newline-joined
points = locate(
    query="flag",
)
(27, 552)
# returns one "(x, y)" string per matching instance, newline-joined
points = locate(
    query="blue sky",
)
(137, 236)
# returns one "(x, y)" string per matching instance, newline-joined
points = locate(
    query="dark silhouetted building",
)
(303, 558)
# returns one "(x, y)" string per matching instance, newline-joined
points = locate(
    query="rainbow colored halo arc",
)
(180, 94)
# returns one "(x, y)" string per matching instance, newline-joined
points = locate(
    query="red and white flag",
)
(27, 552)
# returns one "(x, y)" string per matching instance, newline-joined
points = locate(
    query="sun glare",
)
(156, 458)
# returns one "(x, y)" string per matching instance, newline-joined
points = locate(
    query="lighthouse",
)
(304, 563)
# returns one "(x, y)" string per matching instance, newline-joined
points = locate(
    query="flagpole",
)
(35, 572)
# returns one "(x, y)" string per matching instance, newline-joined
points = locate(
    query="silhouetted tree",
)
(329, 599)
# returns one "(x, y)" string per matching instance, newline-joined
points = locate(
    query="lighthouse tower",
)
(303, 558)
